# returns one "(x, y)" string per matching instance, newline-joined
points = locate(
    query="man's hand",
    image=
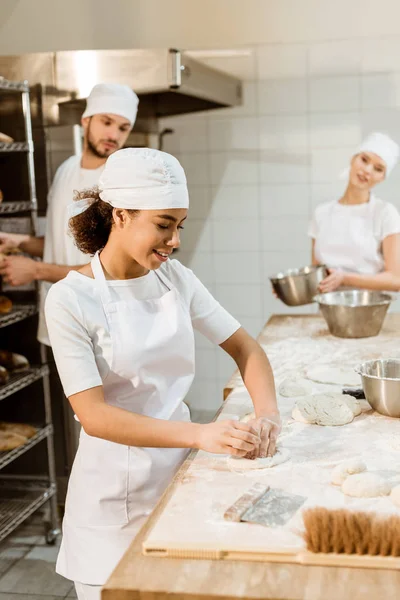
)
(11, 241)
(18, 270)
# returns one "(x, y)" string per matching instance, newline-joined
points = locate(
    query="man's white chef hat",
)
(141, 179)
(384, 147)
(114, 99)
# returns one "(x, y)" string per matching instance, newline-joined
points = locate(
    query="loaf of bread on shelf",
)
(13, 362)
(23, 429)
(4, 376)
(5, 138)
(1, 196)
(10, 440)
(5, 305)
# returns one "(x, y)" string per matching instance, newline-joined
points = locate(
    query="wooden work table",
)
(147, 577)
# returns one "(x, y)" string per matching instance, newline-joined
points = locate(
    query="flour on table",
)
(294, 387)
(346, 468)
(328, 408)
(245, 464)
(365, 485)
(334, 375)
(395, 495)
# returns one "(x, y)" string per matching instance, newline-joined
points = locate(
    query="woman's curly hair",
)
(91, 228)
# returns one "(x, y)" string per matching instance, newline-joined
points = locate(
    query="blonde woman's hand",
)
(331, 283)
(228, 437)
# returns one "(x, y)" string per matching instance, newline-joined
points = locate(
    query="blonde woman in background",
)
(358, 236)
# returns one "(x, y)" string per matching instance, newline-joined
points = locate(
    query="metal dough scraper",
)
(261, 504)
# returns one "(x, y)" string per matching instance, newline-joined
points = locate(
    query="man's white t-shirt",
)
(78, 327)
(349, 237)
(59, 245)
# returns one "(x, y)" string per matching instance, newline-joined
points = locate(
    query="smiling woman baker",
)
(358, 236)
(122, 333)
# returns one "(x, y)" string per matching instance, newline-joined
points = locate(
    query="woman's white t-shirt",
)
(350, 237)
(78, 329)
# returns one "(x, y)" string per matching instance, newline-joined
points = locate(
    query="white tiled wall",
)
(256, 172)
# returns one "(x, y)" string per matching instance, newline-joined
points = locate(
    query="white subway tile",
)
(285, 166)
(281, 260)
(282, 200)
(206, 363)
(381, 54)
(189, 135)
(242, 300)
(328, 164)
(196, 168)
(343, 57)
(234, 202)
(380, 90)
(332, 94)
(233, 134)
(228, 168)
(196, 234)
(283, 132)
(330, 130)
(282, 96)
(326, 192)
(205, 395)
(254, 325)
(225, 367)
(387, 121)
(237, 267)
(200, 196)
(241, 66)
(282, 61)
(286, 233)
(248, 108)
(236, 235)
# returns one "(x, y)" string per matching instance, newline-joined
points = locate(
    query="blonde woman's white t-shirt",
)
(350, 237)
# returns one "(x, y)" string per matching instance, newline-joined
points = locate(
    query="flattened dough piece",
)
(365, 485)
(346, 468)
(329, 408)
(245, 464)
(295, 387)
(334, 375)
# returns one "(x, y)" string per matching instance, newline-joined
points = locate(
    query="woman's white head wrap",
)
(140, 179)
(381, 145)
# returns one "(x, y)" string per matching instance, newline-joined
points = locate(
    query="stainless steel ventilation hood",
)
(167, 81)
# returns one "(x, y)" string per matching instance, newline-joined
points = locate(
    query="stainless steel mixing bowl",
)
(354, 313)
(296, 287)
(381, 384)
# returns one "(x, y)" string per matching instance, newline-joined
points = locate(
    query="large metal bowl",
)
(296, 287)
(381, 385)
(354, 313)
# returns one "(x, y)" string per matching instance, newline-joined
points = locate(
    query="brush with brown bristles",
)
(351, 533)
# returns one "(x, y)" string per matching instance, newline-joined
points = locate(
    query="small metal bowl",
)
(296, 287)
(354, 313)
(381, 385)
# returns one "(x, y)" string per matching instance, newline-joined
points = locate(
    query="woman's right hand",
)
(228, 437)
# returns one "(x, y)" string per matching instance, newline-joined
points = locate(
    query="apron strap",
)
(164, 279)
(100, 279)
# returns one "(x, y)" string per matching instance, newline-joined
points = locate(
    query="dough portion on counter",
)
(295, 387)
(246, 464)
(334, 375)
(346, 468)
(365, 485)
(329, 408)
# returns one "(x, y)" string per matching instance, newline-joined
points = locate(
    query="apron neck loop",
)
(100, 279)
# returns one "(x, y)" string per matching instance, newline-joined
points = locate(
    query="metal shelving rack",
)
(21, 496)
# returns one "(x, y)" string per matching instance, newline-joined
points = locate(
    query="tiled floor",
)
(27, 566)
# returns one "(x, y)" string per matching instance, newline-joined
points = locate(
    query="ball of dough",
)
(329, 408)
(334, 375)
(294, 387)
(346, 468)
(248, 417)
(246, 464)
(365, 485)
(395, 495)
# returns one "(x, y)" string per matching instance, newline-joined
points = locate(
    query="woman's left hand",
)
(334, 280)
(268, 427)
